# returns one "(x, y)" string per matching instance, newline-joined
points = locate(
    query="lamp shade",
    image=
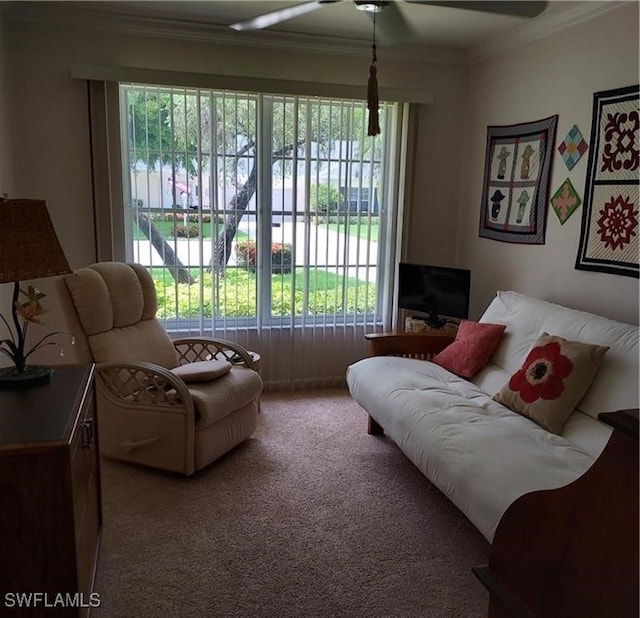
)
(29, 247)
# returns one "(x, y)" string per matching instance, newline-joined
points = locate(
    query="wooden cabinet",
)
(572, 552)
(50, 496)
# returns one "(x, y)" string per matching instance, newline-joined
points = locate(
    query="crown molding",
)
(56, 14)
(542, 27)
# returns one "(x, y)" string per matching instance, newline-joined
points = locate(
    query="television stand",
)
(435, 321)
(409, 323)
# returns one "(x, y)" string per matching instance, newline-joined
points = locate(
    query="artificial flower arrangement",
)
(31, 312)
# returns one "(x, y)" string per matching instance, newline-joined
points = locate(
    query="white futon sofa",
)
(479, 453)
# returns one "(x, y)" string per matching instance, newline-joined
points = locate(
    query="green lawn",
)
(364, 231)
(233, 294)
(236, 294)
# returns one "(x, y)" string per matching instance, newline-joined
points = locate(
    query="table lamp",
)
(29, 249)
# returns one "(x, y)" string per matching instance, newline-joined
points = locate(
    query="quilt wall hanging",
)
(572, 147)
(565, 200)
(515, 192)
(609, 234)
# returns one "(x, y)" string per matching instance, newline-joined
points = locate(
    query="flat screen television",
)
(437, 291)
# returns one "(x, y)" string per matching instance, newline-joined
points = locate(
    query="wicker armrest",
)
(143, 383)
(411, 345)
(193, 349)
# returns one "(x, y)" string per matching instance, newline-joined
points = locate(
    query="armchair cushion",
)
(202, 371)
(116, 311)
(217, 399)
(147, 340)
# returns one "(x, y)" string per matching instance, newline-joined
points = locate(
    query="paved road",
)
(323, 247)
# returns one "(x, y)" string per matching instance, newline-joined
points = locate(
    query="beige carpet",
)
(311, 517)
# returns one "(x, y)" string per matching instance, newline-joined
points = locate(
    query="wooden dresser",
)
(572, 552)
(50, 500)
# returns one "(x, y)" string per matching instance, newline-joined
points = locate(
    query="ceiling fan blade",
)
(515, 8)
(391, 25)
(276, 17)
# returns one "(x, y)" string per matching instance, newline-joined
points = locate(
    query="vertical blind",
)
(266, 219)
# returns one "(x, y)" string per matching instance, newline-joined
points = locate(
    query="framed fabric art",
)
(610, 216)
(565, 200)
(515, 193)
(572, 147)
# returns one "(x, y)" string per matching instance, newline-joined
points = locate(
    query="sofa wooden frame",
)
(421, 346)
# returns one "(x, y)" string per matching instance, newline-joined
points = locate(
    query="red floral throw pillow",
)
(552, 380)
(472, 348)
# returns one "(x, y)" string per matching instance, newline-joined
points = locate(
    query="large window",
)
(255, 209)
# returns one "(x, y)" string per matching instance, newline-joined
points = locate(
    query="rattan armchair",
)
(148, 414)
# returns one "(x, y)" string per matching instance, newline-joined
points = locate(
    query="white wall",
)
(554, 75)
(50, 158)
(51, 118)
(6, 137)
(6, 150)
(52, 112)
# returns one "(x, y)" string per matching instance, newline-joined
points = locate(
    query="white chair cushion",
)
(202, 371)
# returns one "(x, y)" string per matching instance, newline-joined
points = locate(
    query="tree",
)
(239, 204)
(215, 134)
(175, 266)
(326, 199)
(152, 141)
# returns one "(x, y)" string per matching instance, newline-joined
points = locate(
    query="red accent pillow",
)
(472, 348)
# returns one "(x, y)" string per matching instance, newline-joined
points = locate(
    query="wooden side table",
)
(50, 496)
(255, 357)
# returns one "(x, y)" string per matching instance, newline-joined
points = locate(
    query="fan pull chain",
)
(372, 89)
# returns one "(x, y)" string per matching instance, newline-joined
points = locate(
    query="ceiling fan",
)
(392, 25)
